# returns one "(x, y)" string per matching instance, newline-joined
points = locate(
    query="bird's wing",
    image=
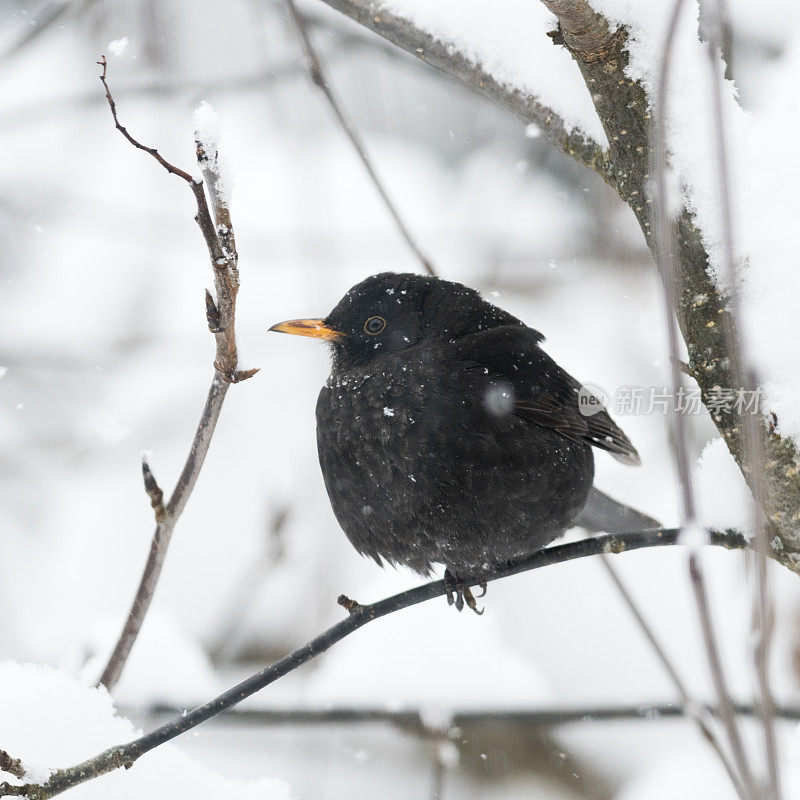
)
(542, 392)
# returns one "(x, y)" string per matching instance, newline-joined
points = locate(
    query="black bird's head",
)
(391, 312)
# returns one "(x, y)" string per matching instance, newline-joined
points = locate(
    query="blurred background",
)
(105, 354)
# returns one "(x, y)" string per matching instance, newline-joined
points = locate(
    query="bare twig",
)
(745, 379)
(222, 251)
(695, 710)
(718, 675)
(173, 170)
(413, 719)
(126, 754)
(320, 80)
(664, 233)
(764, 621)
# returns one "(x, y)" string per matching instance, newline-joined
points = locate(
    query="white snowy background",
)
(104, 354)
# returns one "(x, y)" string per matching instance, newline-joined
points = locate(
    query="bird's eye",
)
(374, 325)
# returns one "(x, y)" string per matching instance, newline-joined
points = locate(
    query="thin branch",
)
(171, 168)
(163, 533)
(745, 378)
(764, 623)
(222, 251)
(359, 616)
(664, 240)
(444, 56)
(664, 234)
(413, 719)
(321, 81)
(726, 711)
(695, 710)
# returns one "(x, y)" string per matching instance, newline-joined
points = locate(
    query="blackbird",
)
(446, 435)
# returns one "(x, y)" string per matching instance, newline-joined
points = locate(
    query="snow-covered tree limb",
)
(444, 56)
(624, 107)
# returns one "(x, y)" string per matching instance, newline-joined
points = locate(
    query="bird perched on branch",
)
(446, 435)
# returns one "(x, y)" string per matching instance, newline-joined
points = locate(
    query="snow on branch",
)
(581, 141)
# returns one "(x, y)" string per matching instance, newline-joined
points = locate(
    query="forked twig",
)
(224, 259)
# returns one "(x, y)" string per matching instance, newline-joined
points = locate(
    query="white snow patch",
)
(693, 536)
(388, 672)
(723, 497)
(765, 171)
(49, 720)
(118, 46)
(167, 666)
(208, 132)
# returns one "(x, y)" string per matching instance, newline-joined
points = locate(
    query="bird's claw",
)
(471, 602)
(458, 593)
(452, 590)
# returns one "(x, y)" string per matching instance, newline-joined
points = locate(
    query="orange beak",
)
(308, 327)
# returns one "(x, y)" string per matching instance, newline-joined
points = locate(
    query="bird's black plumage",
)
(445, 433)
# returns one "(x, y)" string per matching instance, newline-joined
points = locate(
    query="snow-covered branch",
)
(445, 56)
(125, 755)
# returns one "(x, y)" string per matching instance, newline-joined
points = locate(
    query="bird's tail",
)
(603, 513)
